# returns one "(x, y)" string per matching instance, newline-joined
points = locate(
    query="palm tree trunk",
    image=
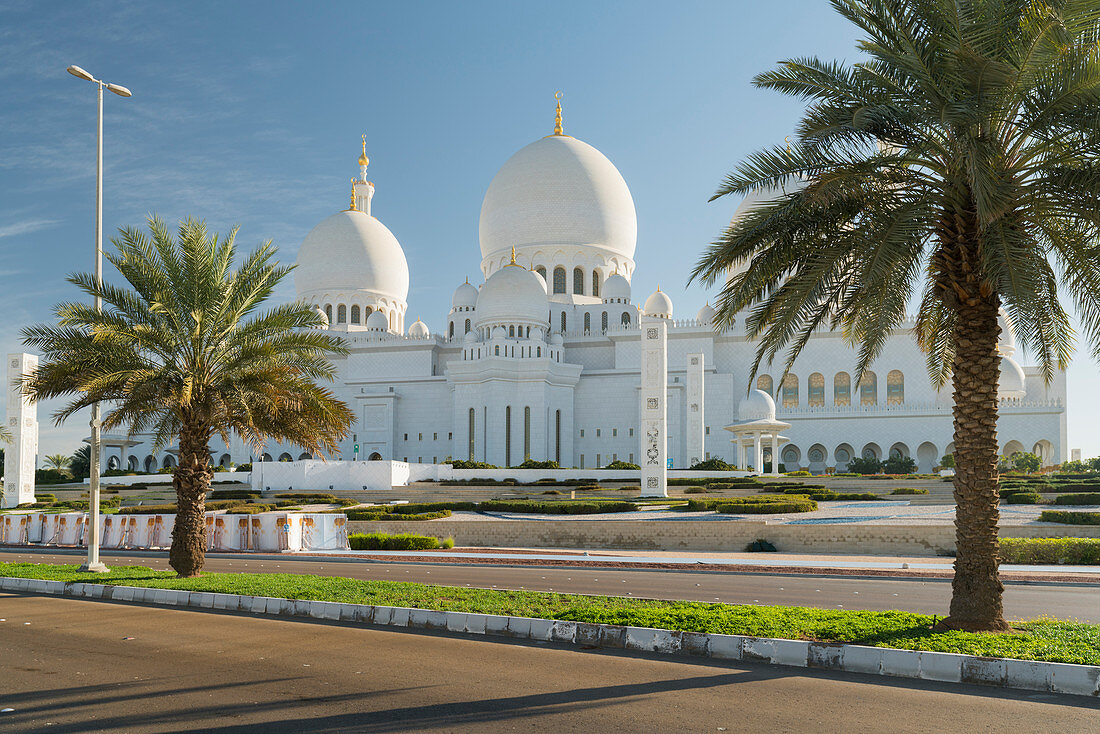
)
(976, 589)
(192, 481)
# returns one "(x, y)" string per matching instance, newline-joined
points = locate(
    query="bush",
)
(552, 491)
(316, 497)
(51, 476)
(863, 466)
(383, 541)
(1084, 498)
(233, 494)
(45, 497)
(623, 465)
(1024, 498)
(697, 490)
(899, 465)
(768, 508)
(760, 546)
(244, 467)
(1070, 518)
(799, 473)
(578, 507)
(532, 464)
(250, 509)
(460, 464)
(909, 490)
(716, 503)
(447, 543)
(1078, 551)
(1025, 462)
(714, 464)
(414, 508)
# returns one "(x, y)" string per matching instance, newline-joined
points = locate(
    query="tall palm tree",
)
(960, 158)
(59, 462)
(186, 353)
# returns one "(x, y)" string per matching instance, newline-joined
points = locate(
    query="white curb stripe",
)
(1028, 675)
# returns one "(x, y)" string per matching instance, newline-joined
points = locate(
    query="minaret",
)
(363, 190)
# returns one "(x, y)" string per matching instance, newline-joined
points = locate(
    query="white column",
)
(695, 424)
(775, 454)
(758, 453)
(740, 452)
(23, 424)
(653, 409)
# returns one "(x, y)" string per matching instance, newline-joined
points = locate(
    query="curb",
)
(1028, 675)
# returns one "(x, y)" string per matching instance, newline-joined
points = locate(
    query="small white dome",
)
(1011, 385)
(558, 191)
(545, 288)
(352, 251)
(377, 321)
(324, 317)
(465, 296)
(756, 406)
(658, 304)
(556, 339)
(471, 337)
(616, 288)
(706, 315)
(1006, 342)
(512, 295)
(419, 330)
(499, 332)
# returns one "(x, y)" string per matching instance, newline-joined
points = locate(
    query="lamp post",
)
(93, 563)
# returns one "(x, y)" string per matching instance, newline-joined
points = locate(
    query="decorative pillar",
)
(653, 408)
(695, 423)
(758, 453)
(775, 453)
(22, 416)
(741, 452)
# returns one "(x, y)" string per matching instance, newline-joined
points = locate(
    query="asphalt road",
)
(1022, 600)
(72, 665)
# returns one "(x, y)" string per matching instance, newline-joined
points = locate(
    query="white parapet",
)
(22, 421)
(653, 409)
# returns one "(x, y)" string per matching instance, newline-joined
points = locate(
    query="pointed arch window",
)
(816, 390)
(355, 314)
(341, 314)
(626, 318)
(451, 331)
(587, 323)
(790, 391)
(596, 283)
(895, 388)
(328, 312)
(603, 321)
(563, 322)
(842, 389)
(467, 327)
(541, 271)
(868, 389)
(578, 282)
(764, 382)
(559, 280)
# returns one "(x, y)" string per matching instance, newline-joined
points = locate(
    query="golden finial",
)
(513, 255)
(467, 280)
(557, 115)
(352, 207)
(363, 160)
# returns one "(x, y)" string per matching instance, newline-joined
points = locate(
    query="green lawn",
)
(1043, 639)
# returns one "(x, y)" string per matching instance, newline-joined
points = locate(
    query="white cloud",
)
(25, 227)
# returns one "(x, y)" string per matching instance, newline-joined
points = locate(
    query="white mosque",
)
(542, 360)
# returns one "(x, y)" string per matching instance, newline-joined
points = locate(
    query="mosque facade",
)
(543, 359)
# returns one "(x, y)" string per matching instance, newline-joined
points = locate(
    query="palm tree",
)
(80, 462)
(186, 353)
(60, 462)
(959, 158)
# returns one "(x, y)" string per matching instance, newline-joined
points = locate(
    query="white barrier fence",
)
(264, 531)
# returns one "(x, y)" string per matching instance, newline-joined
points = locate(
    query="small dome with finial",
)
(363, 160)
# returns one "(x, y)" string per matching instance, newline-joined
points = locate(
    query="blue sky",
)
(250, 113)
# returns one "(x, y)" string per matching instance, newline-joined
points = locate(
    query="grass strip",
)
(1043, 639)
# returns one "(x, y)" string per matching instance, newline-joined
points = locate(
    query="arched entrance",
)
(375, 456)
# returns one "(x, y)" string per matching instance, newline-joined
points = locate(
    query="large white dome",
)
(558, 191)
(352, 251)
(513, 295)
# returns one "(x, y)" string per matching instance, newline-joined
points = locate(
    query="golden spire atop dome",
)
(557, 115)
(363, 160)
(352, 207)
(513, 255)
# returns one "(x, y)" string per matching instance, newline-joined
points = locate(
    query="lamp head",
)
(120, 90)
(78, 72)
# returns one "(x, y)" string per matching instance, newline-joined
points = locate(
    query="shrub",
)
(863, 466)
(45, 497)
(1024, 498)
(760, 546)
(317, 497)
(414, 508)
(552, 491)
(621, 465)
(383, 541)
(714, 464)
(1084, 498)
(244, 467)
(578, 507)
(1078, 551)
(799, 473)
(251, 509)
(532, 464)
(715, 503)
(899, 465)
(460, 464)
(909, 490)
(51, 476)
(697, 490)
(233, 494)
(1025, 462)
(447, 543)
(768, 508)
(1070, 518)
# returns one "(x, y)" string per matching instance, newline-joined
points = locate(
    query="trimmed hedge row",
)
(1075, 551)
(716, 503)
(794, 504)
(233, 494)
(1070, 518)
(579, 507)
(404, 541)
(1023, 498)
(374, 516)
(828, 495)
(1084, 498)
(909, 490)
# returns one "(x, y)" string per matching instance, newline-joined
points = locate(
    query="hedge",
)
(416, 508)
(1024, 498)
(909, 490)
(1089, 498)
(320, 497)
(1074, 551)
(375, 516)
(1070, 518)
(404, 541)
(234, 494)
(767, 508)
(579, 507)
(713, 503)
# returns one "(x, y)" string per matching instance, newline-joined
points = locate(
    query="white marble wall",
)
(654, 407)
(22, 421)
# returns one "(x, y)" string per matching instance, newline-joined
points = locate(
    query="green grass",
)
(1042, 639)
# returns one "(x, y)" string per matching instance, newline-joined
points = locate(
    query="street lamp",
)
(93, 563)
